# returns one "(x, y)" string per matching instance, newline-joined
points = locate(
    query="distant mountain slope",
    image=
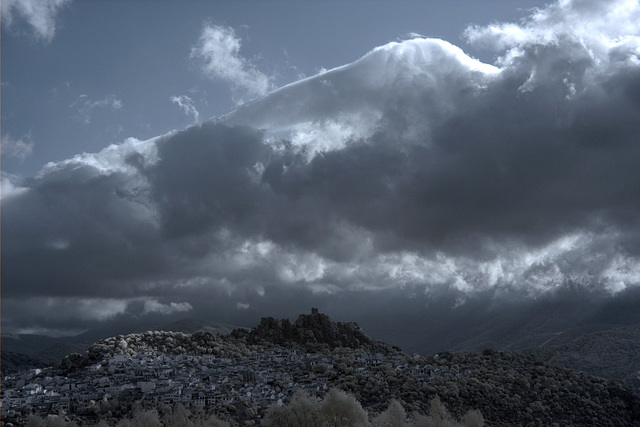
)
(28, 343)
(610, 353)
(37, 351)
(428, 327)
(14, 362)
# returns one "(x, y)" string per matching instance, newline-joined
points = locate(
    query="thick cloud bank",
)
(415, 169)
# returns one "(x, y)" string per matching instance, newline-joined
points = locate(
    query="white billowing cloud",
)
(112, 159)
(401, 87)
(601, 26)
(621, 273)
(187, 106)
(39, 14)
(218, 50)
(100, 309)
(20, 148)
(314, 137)
(86, 107)
(596, 36)
(578, 258)
(9, 187)
(155, 306)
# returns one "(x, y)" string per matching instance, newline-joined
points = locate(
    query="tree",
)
(473, 418)
(142, 419)
(440, 417)
(179, 417)
(211, 421)
(393, 416)
(302, 410)
(341, 409)
(50, 421)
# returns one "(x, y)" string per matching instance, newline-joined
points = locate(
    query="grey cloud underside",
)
(415, 168)
(505, 167)
(506, 164)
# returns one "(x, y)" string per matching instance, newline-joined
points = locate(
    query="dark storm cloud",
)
(204, 178)
(509, 164)
(532, 166)
(74, 230)
(89, 228)
(415, 170)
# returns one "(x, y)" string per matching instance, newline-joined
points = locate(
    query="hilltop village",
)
(239, 376)
(203, 382)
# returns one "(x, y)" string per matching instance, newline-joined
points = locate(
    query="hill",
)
(24, 351)
(15, 362)
(313, 332)
(316, 354)
(609, 353)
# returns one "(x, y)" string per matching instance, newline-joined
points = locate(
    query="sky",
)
(228, 160)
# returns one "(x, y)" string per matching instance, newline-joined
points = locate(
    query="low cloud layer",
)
(415, 169)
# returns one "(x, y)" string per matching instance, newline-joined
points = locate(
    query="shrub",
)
(393, 416)
(302, 410)
(341, 409)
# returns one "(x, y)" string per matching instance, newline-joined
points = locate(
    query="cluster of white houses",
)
(203, 381)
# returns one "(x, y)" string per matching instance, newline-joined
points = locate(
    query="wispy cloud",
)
(20, 148)
(187, 106)
(155, 306)
(218, 51)
(40, 15)
(86, 107)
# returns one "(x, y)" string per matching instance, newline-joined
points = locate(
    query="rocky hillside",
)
(313, 332)
(167, 342)
(25, 351)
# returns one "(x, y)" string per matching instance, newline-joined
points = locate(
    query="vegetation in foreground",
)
(336, 409)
